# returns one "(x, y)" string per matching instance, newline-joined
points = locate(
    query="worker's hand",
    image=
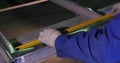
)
(116, 9)
(49, 36)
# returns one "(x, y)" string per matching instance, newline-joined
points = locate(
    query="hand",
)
(49, 36)
(116, 9)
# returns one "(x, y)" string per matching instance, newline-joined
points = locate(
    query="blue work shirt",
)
(94, 46)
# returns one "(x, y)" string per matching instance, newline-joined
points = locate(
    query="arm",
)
(93, 46)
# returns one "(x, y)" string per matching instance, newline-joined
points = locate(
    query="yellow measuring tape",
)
(71, 29)
(29, 44)
(87, 23)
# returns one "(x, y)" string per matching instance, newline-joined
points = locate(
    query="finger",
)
(116, 13)
(114, 9)
(42, 39)
(39, 38)
(41, 33)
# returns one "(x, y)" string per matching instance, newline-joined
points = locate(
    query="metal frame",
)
(4, 55)
(75, 8)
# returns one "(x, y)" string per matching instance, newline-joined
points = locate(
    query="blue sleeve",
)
(94, 46)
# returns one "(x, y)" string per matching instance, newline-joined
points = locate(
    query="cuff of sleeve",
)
(59, 45)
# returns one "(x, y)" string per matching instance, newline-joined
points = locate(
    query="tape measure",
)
(71, 29)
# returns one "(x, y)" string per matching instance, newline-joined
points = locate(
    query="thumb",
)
(116, 12)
